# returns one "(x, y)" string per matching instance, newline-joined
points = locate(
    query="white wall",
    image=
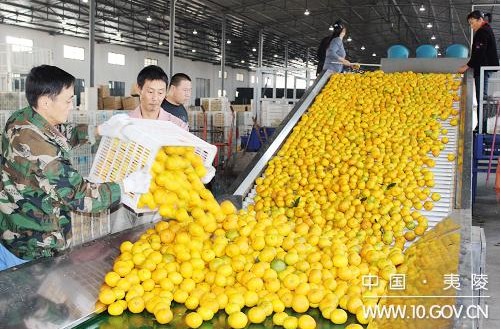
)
(134, 61)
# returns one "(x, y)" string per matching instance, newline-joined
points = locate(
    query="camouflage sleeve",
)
(56, 176)
(63, 182)
(76, 134)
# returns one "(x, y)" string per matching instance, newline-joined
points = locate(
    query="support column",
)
(223, 52)
(260, 49)
(172, 28)
(307, 68)
(286, 65)
(92, 25)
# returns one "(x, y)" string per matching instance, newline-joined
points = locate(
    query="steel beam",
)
(92, 43)
(223, 52)
(172, 28)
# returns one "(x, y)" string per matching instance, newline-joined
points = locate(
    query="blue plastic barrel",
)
(398, 51)
(426, 51)
(456, 51)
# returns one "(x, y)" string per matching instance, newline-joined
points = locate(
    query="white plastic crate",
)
(272, 114)
(195, 119)
(81, 159)
(12, 101)
(215, 104)
(115, 158)
(87, 227)
(245, 118)
(98, 117)
(79, 117)
(221, 119)
(4, 116)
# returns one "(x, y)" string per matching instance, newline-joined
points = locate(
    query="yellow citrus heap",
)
(337, 202)
(175, 187)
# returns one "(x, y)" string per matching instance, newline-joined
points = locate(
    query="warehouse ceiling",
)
(373, 26)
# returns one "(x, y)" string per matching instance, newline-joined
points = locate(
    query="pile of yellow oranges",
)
(338, 201)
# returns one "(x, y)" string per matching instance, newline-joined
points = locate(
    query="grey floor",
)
(486, 215)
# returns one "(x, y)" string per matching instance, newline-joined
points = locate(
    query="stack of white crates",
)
(12, 100)
(215, 104)
(245, 122)
(4, 116)
(273, 113)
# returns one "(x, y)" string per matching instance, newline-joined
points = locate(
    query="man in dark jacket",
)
(178, 94)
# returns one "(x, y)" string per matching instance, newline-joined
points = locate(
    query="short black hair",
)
(177, 78)
(46, 80)
(151, 72)
(477, 14)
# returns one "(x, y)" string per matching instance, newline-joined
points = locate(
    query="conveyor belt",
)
(444, 172)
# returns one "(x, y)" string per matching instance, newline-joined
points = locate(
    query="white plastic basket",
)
(115, 158)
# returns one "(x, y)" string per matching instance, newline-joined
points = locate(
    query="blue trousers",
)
(7, 259)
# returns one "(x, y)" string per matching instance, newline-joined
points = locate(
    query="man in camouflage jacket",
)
(39, 187)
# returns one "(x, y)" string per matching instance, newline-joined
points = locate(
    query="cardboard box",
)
(130, 103)
(241, 108)
(134, 90)
(103, 91)
(112, 103)
(100, 104)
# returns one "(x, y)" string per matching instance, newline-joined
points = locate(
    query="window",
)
(150, 61)
(225, 74)
(117, 88)
(73, 52)
(252, 79)
(202, 88)
(240, 77)
(18, 82)
(219, 93)
(79, 88)
(117, 59)
(19, 44)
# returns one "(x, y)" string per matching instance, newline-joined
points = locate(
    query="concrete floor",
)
(486, 214)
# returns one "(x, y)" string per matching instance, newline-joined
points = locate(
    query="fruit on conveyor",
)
(338, 201)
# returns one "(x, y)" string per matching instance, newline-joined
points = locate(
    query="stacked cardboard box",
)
(130, 103)
(112, 103)
(102, 92)
(134, 90)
